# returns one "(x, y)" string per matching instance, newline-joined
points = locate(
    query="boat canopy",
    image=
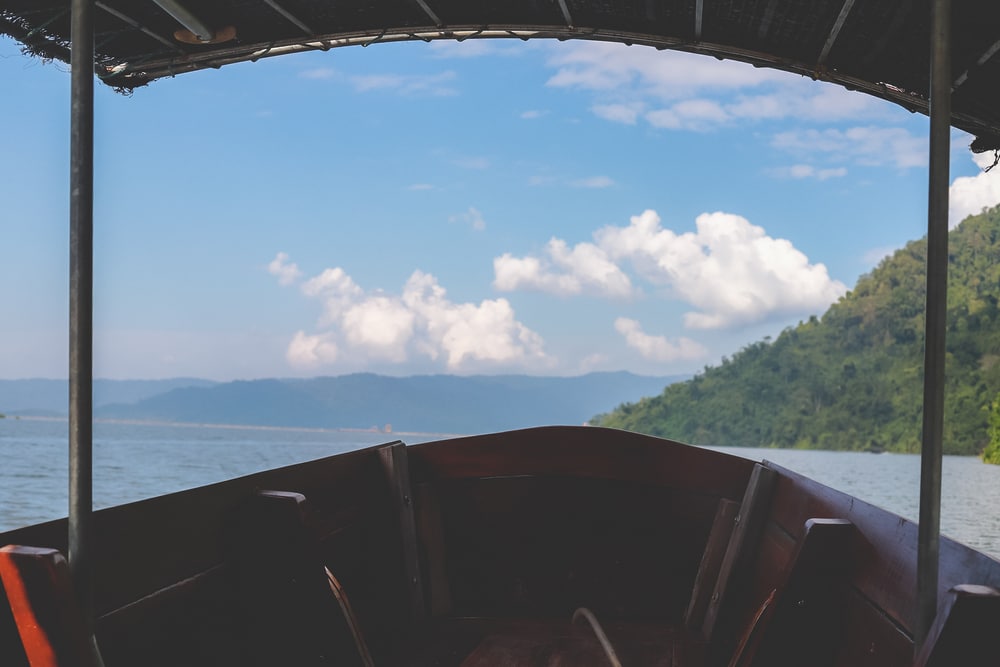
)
(898, 50)
(880, 47)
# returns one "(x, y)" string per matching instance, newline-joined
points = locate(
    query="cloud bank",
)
(419, 322)
(730, 271)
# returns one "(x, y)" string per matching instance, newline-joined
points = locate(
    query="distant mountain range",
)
(423, 403)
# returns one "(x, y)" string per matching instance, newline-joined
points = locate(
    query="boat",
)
(557, 545)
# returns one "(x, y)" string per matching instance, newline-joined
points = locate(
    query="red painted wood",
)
(40, 593)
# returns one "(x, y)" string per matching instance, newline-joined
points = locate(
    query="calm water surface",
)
(135, 461)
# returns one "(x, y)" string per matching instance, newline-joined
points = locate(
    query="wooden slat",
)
(49, 621)
(711, 562)
(432, 542)
(963, 631)
(806, 621)
(397, 471)
(750, 523)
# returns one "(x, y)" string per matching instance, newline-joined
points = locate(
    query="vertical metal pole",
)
(936, 324)
(81, 287)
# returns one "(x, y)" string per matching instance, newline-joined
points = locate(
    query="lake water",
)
(135, 461)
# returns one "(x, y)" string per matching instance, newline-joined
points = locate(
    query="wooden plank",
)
(739, 554)
(40, 593)
(397, 470)
(963, 631)
(805, 622)
(875, 641)
(577, 451)
(432, 542)
(711, 562)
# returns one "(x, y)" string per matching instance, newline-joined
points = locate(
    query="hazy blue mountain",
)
(425, 403)
(51, 397)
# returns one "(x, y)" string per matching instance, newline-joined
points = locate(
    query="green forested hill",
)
(852, 379)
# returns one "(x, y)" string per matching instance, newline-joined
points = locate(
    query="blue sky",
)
(485, 207)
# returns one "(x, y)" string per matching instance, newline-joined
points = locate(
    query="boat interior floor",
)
(478, 642)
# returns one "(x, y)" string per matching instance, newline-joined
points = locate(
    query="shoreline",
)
(244, 427)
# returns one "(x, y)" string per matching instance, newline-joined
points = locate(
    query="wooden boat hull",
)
(478, 551)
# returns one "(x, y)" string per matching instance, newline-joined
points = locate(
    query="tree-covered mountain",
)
(425, 403)
(852, 379)
(51, 397)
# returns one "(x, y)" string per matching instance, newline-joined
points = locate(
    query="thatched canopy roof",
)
(878, 46)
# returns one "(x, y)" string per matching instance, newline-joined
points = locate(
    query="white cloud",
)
(594, 182)
(658, 348)
(473, 218)
(286, 272)
(603, 66)
(871, 146)
(533, 114)
(804, 171)
(619, 113)
(419, 187)
(474, 48)
(585, 268)
(380, 324)
(699, 115)
(969, 195)
(472, 162)
(319, 73)
(408, 84)
(699, 93)
(307, 351)
(419, 322)
(730, 271)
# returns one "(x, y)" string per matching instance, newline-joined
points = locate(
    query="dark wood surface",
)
(711, 564)
(728, 594)
(577, 451)
(963, 632)
(516, 528)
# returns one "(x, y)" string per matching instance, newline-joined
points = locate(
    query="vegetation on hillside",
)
(852, 379)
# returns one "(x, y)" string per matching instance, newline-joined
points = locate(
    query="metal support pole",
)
(936, 319)
(81, 288)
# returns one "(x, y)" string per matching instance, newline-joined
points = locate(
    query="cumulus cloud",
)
(583, 269)
(286, 272)
(307, 351)
(658, 348)
(729, 270)
(421, 321)
(969, 195)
